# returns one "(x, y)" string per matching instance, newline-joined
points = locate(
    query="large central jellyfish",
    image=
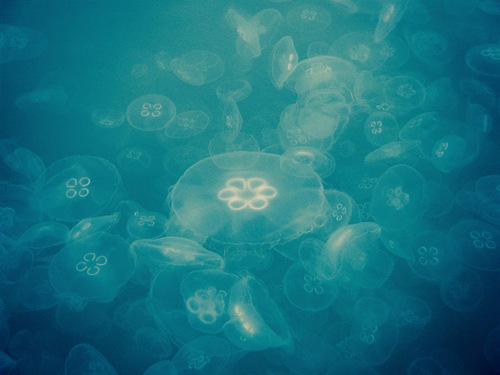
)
(245, 198)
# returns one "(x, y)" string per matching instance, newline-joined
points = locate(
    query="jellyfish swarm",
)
(252, 201)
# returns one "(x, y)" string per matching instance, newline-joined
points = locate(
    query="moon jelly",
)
(255, 204)
(151, 112)
(78, 187)
(198, 68)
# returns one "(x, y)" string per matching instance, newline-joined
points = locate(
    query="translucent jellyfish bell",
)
(151, 112)
(107, 118)
(93, 268)
(308, 18)
(84, 359)
(284, 60)
(206, 295)
(308, 292)
(78, 187)
(307, 161)
(256, 321)
(374, 331)
(320, 72)
(361, 49)
(53, 100)
(398, 198)
(462, 290)
(484, 59)
(198, 67)
(256, 204)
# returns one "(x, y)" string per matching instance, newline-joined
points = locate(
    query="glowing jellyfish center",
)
(253, 193)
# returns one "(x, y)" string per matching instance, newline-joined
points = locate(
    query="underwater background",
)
(250, 187)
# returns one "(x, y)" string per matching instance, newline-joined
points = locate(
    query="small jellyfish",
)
(398, 198)
(320, 72)
(324, 115)
(92, 225)
(308, 18)
(93, 268)
(307, 161)
(206, 295)
(475, 243)
(308, 292)
(358, 250)
(462, 290)
(198, 67)
(19, 43)
(107, 118)
(134, 159)
(234, 89)
(449, 153)
(361, 49)
(381, 128)
(247, 41)
(388, 18)
(413, 315)
(374, 331)
(431, 47)
(256, 321)
(35, 291)
(78, 187)
(146, 224)
(404, 92)
(284, 60)
(15, 263)
(484, 59)
(84, 359)
(420, 127)
(204, 355)
(150, 112)
(175, 251)
(44, 235)
(391, 150)
(52, 100)
(22, 161)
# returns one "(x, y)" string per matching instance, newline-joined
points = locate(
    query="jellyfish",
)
(308, 292)
(107, 118)
(44, 235)
(15, 263)
(234, 89)
(430, 46)
(381, 128)
(22, 161)
(359, 253)
(247, 41)
(79, 187)
(391, 13)
(484, 59)
(413, 315)
(198, 67)
(256, 322)
(404, 92)
(398, 198)
(246, 204)
(361, 49)
(374, 331)
(35, 291)
(308, 18)
(284, 60)
(462, 290)
(307, 161)
(146, 224)
(151, 112)
(475, 243)
(52, 100)
(134, 159)
(205, 355)
(89, 226)
(391, 150)
(84, 359)
(93, 268)
(206, 296)
(320, 72)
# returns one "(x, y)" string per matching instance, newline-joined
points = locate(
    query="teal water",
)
(264, 187)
